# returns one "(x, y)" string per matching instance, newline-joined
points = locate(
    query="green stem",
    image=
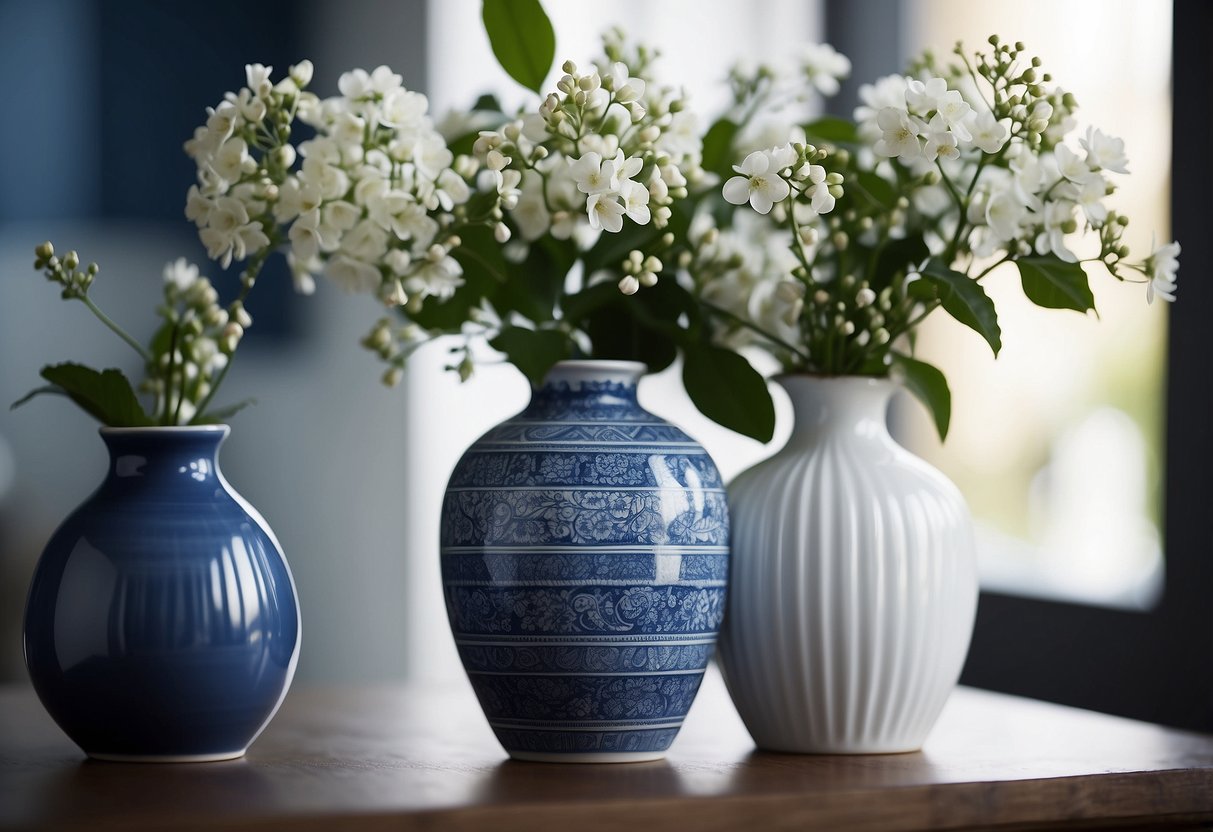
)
(168, 378)
(742, 322)
(117, 330)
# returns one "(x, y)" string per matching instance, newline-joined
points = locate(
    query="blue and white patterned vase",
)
(162, 623)
(584, 562)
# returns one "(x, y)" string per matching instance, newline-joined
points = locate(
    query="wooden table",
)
(423, 758)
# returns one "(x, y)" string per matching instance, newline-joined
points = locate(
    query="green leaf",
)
(873, 186)
(718, 147)
(1055, 284)
(832, 130)
(533, 351)
(222, 414)
(930, 387)
(38, 391)
(964, 300)
(898, 256)
(522, 39)
(728, 390)
(106, 396)
(488, 103)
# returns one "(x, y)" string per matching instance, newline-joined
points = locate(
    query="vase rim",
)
(106, 430)
(600, 364)
(847, 378)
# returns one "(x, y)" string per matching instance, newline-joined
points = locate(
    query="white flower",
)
(398, 260)
(592, 174)
(229, 233)
(451, 189)
(1105, 152)
(438, 278)
(357, 84)
(531, 213)
(1071, 165)
(924, 96)
(757, 184)
(1051, 239)
(622, 169)
(988, 133)
(958, 115)
(636, 202)
(181, 273)
(1004, 213)
(889, 91)
(258, 78)
(899, 134)
(330, 180)
(366, 241)
(353, 275)
(1162, 265)
(340, 215)
(229, 162)
(682, 137)
(625, 88)
(1089, 197)
(402, 107)
(605, 212)
(941, 142)
(824, 67)
(295, 199)
(197, 207)
(309, 237)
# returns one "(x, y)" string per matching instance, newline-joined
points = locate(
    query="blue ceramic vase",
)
(584, 560)
(162, 623)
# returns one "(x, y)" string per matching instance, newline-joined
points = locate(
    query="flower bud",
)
(240, 315)
(45, 251)
(465, 369)
(647, 279)
(501, 232)
(392, 376)
(629, 285)
(568, 67)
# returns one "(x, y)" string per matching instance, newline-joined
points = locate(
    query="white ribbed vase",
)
(853, 581)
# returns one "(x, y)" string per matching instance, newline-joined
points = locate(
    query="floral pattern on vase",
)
(584, 562)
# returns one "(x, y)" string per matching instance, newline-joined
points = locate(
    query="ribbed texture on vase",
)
(851, 600)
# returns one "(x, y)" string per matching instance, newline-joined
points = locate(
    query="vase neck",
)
(837, 405)
(594, 389)
(170, 458)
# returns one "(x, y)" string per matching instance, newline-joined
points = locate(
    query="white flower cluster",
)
(230, 200)
(196, 342)
(768, 177)
(609, 145)
(373, 204)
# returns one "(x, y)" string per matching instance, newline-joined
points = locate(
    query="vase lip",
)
(580, 371)
(618, 365)
(183, 430)
(867, 381)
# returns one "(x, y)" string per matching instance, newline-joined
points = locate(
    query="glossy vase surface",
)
(162, 622)
(584, 563)
(853, 587)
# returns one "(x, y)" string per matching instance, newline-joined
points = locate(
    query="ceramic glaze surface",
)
(162, 621)
(854, 585)
(584, 560)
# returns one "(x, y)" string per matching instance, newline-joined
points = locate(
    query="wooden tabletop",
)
(423, 758)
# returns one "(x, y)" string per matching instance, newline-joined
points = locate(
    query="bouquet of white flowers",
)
(949, 172)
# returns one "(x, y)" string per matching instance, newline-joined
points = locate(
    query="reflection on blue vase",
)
(584, 560)
(162, 622)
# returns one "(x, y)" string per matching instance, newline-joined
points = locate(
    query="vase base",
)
(610, 757)
(857, 750)
(168, 758)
